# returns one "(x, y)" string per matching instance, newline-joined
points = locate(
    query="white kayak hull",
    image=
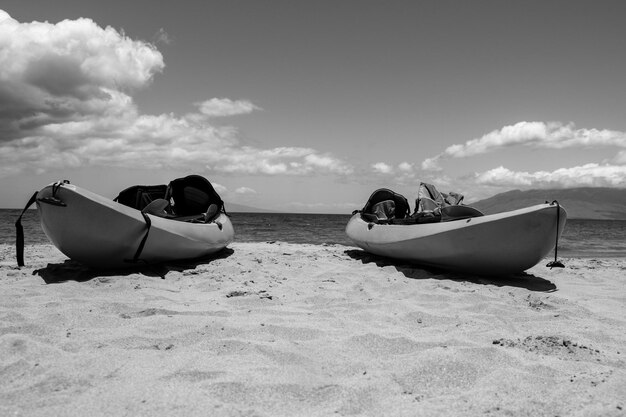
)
(503, 243)
(102, 233)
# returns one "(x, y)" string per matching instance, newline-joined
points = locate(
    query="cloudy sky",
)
(309, 106)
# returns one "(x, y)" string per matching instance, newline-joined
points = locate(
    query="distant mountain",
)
(240, 208)
(580, 203)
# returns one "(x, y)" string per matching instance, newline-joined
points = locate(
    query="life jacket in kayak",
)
(429, 199)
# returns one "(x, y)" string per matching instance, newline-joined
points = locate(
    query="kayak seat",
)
(211, 213)
(451, 213)
(139, 196)
(384, 205)
(444, 214)
(192, 196)
(405, 221)
(157, 207)
(384, 210)
(188, 199)
(195, 199)
(372, 218)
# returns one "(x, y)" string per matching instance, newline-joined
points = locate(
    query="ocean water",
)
(249, 227)
(581, 238)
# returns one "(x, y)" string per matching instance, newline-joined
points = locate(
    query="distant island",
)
(580, 203)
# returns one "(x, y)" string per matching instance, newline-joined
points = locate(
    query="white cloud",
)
(66, 72)
(405, 167)
(282, 160)
(245, 190)
(403, 173)
(554, 135)
(65, 101)
(220, 107)
(431, 164)
(382, 168)
(588, 175)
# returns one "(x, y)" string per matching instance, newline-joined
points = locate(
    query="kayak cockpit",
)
(388, 207)
(189, 199)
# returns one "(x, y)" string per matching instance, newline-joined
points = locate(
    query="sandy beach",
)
(277, 329)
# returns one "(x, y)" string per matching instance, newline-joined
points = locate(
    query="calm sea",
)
(581, 238)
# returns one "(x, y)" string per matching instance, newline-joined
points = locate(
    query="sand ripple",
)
(271, 329)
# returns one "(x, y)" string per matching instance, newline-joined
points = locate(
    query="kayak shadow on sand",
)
(521, 280)
(71, 270)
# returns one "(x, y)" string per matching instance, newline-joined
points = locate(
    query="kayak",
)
(496, 244)
(103, 233)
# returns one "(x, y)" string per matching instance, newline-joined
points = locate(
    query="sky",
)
(310, 106)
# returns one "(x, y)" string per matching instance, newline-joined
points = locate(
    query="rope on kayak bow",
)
(556, 263)
(143, 240)
(53, 199)
(19, 229)
(57, 185)
(136, 259)
(19, 232)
